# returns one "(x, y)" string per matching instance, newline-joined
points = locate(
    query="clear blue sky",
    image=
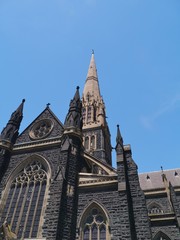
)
(45, 49)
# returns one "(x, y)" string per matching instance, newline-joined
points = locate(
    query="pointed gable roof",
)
(48, 116)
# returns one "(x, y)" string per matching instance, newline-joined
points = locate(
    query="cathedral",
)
(57, 181)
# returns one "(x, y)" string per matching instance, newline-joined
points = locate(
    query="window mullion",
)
(22, 209)
(12, 219)
(40, 186)
(98, 233)
(27, 215)
(11, 200)
(90, 232)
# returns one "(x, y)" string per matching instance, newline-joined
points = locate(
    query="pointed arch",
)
(161, 236)
(155, 208)
(94, 223)
(25, 195)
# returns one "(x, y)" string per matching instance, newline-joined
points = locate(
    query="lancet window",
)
(92, 142)
(84, 113)
(94, 224)
(86, 143)
(89, 114)
(24, 200)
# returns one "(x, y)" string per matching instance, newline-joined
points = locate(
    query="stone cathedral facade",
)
(57, 181)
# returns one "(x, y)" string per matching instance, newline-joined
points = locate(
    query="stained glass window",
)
(25, 200)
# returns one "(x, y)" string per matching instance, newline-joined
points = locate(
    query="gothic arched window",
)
(94, 224)
(24, 200)
(84, 113)
(161, 236)
(89, 114)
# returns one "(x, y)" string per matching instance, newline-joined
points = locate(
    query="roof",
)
(153, 180)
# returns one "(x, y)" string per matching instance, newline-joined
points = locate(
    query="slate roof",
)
(153, 180)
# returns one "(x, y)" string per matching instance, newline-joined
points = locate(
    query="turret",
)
(73, 119)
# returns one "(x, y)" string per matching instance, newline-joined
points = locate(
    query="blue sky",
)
(45, 49)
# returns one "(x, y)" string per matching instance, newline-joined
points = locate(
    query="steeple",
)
(95, 128)
(93, 104)
(10, 132)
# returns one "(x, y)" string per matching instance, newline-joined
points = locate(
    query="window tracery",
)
(25, 199)
(155, 209)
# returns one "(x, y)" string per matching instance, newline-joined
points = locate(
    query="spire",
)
(93, 104)
(10, 132)
(73, 118)
(91, 87)
(94, 117)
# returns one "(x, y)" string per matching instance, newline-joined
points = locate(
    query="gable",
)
(45, 126)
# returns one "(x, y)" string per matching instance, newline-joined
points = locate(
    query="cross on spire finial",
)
(47, 105)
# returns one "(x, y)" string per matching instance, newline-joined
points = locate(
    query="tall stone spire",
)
(95, 128)
(93, 104)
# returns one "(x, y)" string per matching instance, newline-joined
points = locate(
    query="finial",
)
(92, 51)
(117, 125)
(23, 100)
(47, 105)
(147, 177)
(77, 87)
(162, 169)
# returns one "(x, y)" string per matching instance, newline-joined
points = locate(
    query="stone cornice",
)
(37, 144)
(162, 217)
(92, 180)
